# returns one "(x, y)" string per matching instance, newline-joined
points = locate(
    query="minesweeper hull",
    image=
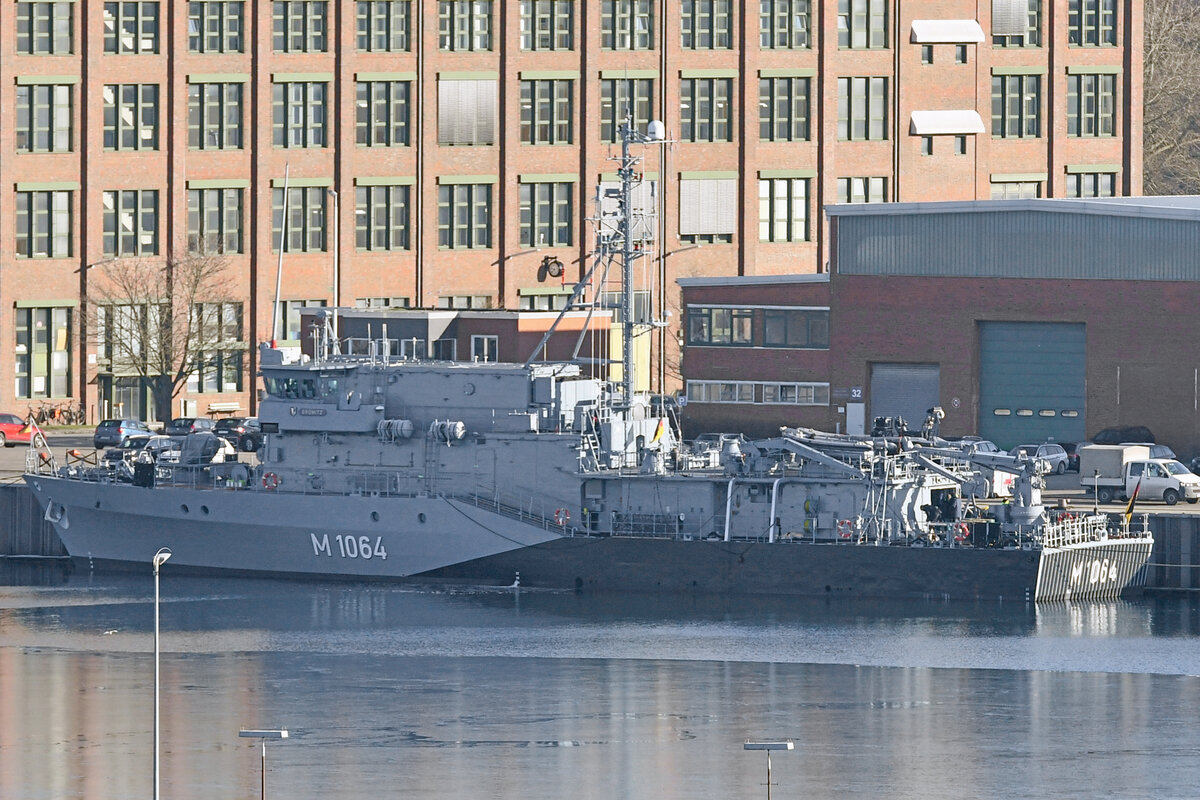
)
(442, 539)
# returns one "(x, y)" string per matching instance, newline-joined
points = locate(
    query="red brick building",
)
(443, 154)
(1024, 320)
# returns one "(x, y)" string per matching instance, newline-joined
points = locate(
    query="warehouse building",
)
(1024, 320)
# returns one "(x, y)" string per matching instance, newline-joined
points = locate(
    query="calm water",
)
(491, 693)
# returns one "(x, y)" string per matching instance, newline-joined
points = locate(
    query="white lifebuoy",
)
(562, 516)
(270, 480)
(845, 528)
(961, 532)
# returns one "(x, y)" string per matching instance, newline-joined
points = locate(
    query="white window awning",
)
(934, 123)
(946, 31)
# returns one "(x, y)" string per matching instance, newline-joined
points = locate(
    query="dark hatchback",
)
(182, 426)
(114, 432)
(244, 433)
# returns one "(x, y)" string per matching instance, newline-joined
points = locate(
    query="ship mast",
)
(627, 173)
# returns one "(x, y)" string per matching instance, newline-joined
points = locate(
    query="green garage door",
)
(1031, 382)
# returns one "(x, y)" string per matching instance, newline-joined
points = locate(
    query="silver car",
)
(1052, 454)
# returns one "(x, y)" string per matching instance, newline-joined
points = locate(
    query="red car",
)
(13, 429)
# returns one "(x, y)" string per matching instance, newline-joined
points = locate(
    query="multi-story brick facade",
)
(459, 144)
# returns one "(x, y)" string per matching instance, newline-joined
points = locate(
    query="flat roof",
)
(1185, 207)
(752, 280)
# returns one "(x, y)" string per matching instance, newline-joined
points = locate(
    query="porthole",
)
(374, 516)
(421, 518)
(203, 509)
(184, 508)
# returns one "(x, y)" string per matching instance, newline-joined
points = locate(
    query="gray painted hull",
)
(434, 538)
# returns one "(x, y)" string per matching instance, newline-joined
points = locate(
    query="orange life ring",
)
(961, 532)
(270, 480)
(562, 516)
(845, 528)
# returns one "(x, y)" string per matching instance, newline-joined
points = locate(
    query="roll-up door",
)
(1032, 382)
(906, 390)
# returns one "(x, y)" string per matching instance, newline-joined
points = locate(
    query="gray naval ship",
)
(376, 467)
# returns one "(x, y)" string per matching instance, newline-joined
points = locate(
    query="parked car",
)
(182, 426)
(1051, 453)
(1129, 433)
(13, 429)
(1156, 450)
(244, 433)
(1072, 449)
(114, 432)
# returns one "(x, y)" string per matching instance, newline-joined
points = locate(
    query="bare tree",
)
(1171, 75)
(160, 319)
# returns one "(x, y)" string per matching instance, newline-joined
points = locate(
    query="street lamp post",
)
(160, 558)
(263, 735)
(786, 744)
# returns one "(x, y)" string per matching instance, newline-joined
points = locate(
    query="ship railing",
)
(1072, 529)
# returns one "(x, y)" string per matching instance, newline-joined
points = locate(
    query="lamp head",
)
(161, 556)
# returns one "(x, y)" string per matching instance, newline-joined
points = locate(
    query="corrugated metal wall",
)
(1019, 244)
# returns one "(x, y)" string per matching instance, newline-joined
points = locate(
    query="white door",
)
(856, 419)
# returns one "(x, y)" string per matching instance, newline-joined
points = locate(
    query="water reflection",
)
(435, 692)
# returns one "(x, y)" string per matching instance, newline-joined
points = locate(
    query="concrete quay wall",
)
(1175, 563)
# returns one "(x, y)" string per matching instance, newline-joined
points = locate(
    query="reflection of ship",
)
(382, 468)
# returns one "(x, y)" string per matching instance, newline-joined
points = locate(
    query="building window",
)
(43, 119)
(926, 145)
(547, 24)
(305, 219)
(465, 25)
(862, 108)
(784, 24)
(383, 25)
(862, 24)
(720, 326)
(1092, 23)
(130, 222)
(783, 109)
(720, 392)
(299, 114)
(1033, 32)
(43, 225)
(383, 113)
(382, 302)
(547, 108)
(862, 190)
(1091, 105)
(627, 24)
(960, 54)
(215, 116)
(705, 109)
(43, 352)
(555, 301)
(960, 145)
(217, 329)
(546, 214)
(1092, 184)
(706, 25)
(466, 112)
(215, 220)
(299, 26)
(464, 301)
(131, 116)
(216, 27)
(485, 348)
(800, 394)
(1016, 106)
(131, 27)
(619, 96)
(1016, 190)
(465, 215)
(640, 305)
(707, 210)
(806, 329)
(783, 210)
(381, 217)
(44, 29)
(288, 317)
(926, 54)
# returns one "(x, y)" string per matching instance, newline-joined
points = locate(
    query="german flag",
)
(1132, 500)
